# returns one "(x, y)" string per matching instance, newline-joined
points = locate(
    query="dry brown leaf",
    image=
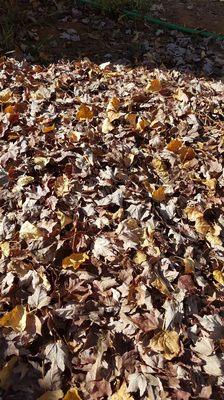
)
(201, 226)
(154, 86)
(84, 113)
(159, 194)
(6, 372)
(131, 119)
(114, 104)
(62, 186)
(174, 145)
(142, 124)
(181, 96)
(166, 342)
(15, 319)
(193, 213)
(6, 96)
(75, 260)
(24, 180)
(186, 153)
(72, 394)
(49, 128)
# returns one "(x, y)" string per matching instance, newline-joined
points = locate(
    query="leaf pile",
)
(111, 233)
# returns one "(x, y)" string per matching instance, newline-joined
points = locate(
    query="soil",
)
(204, 14)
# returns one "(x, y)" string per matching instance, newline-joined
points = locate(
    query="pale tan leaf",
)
(62, 186)
(5, 248)
(218, 276)
(29, 231)
(122, 394)
(167, 343)
(139, 257)
(107, 126)
(63, 218)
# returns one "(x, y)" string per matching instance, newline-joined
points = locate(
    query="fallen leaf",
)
(75, 260)
(5, 248)
(29, 231)
(63, 218)
(72, 394)
(139, 257)
(15, 319)
(181, 96)
(218, 276)
(62, 186)
(49, 128)
(6, 372)
(24, 181)
(160, 285)
(114, 104)
(122, 393)
(166, 342)
(84, 113)
(159, 195)
(174, 145)
(142, 124)
(131, 119)
(6, 96)
(52, 395)
(186, 153)
(107, 126)
(154, 86)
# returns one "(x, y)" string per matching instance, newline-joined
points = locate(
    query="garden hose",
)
(168, 25)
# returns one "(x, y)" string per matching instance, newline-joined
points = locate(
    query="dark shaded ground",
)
(47, 33)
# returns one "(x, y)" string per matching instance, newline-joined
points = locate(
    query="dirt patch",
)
(204, 14)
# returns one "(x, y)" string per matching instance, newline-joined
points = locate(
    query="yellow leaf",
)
(167, 343)
(193, 213)
(6, 372)
(29, 231)
(210, 183)
(160, 285)
(6, 96)
(122, 394)
(63, 218)
(139, 257)
(10, 109)
(52, 395)
(62, 186)
(213, 239)
(159, 194)
(15, 319)
(5, 248)
(24, 180)
(113, 115)
(154, 86)
(160, 169)
(131, 119)
(174, 145)
(48, 128)
(107, 126)
(114, 104)
(72, 394)
(189, 265)
(142, 124)
(84, 113)
(74, 260)
(219, 276)
(201, 226)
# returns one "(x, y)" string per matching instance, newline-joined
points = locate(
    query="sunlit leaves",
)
(154, 86)
(122, 393)
(166, 342)
(159, 195)
(75, 260)
(29, 231)
(218, 276)
(62, 185)
(72, 394)
(15, 319)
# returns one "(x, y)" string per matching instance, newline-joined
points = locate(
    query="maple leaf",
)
(62, 186)
(15, 319)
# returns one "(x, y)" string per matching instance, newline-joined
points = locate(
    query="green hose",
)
(156, 21)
